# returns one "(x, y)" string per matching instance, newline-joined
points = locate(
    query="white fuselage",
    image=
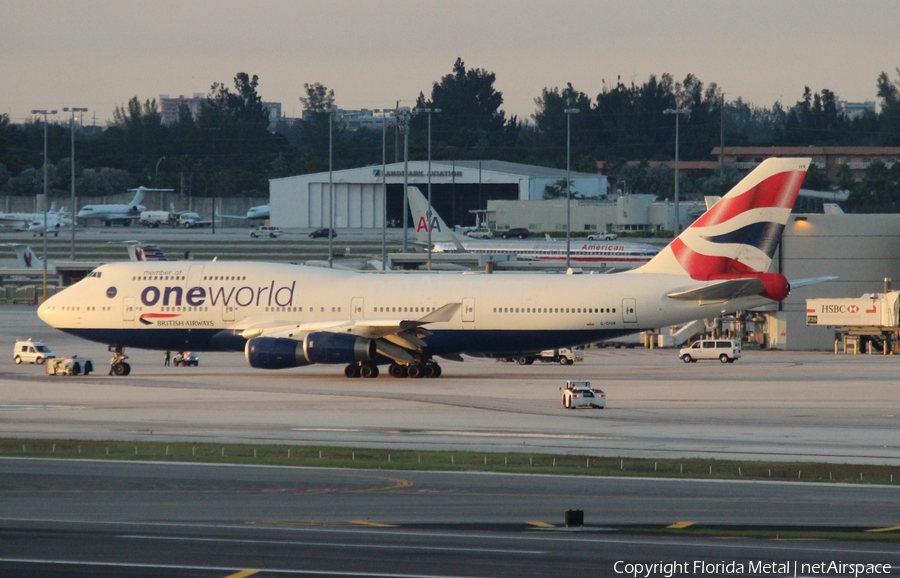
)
(581, 251)
(111, 212)
(206, 306)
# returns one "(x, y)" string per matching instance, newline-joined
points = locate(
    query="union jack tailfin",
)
(737, 237)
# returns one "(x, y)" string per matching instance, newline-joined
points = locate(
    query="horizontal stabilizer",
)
(722, 290)
(812, 281)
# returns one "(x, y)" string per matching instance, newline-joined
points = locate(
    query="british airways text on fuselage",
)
(239, 295)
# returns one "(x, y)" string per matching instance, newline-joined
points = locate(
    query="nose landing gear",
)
(117, 365)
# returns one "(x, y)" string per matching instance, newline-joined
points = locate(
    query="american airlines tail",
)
(418, 206)
(145, 252)
(26, 257)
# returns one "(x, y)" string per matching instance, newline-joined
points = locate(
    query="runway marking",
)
(243, 574)
(540, 524)
(891, 529)
(370, 524)
(211, 568)
(326, 429)
(680, 525)
(507, 434)
(354, 545)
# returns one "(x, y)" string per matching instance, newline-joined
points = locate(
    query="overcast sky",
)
(100, 53)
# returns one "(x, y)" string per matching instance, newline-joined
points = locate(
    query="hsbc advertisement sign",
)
(844, 312)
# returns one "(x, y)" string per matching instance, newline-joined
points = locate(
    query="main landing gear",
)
(117, 365)
(361, 369)
(425, 368)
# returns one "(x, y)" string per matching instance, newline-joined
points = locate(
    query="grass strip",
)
(393, 459)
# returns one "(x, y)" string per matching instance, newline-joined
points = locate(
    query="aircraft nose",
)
(47, 310)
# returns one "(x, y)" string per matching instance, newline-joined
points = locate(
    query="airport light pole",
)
(403, 116)
(45, 112)
(569, 112)
(383, 189)
(677, 112)
(429, 212)
(74, 207)
(331, 112)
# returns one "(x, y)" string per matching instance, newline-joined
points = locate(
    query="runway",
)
(794, 406)
(83, 518)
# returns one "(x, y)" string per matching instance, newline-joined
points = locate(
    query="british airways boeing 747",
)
(284, 316)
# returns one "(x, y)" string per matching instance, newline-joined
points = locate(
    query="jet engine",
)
(318, 347)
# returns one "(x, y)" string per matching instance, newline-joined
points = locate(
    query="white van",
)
(32, 352)
(265, 231)
(725, 350)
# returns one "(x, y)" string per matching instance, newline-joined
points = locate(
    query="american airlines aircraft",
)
(283, 316)
(121, 212)
(613, 254)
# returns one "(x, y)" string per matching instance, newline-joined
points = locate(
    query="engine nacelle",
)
(325, 347)
(319, 347)
(274, 353)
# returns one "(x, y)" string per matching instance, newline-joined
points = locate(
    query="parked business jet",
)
(260, 212)
(22, 220)
(124, 213)
(54, 223)
(284, 315)
(596, 253)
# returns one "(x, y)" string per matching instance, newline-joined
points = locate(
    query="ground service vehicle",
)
(191, 221)
(578, 393)
(725, 350)
(70, 366)
(263, 231)
(602, 237)
(29, 351)
(155, 218)
(562, 356)
(480, 233)
(519, 232)
(186, 359)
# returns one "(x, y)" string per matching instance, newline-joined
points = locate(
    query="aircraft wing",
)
(394, 338)
(244, 217)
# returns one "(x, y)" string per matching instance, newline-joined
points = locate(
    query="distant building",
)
(855, 109)
(362, 118)
(458, 188)
(827, 159)
(169, 108)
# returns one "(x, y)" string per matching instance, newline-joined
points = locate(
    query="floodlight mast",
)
(45, 112)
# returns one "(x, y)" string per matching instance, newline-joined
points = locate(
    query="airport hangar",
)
(457, 187)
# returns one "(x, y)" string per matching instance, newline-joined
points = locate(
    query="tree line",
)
(229, 149)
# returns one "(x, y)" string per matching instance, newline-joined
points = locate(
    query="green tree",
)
(889, 93)
(470, 120)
